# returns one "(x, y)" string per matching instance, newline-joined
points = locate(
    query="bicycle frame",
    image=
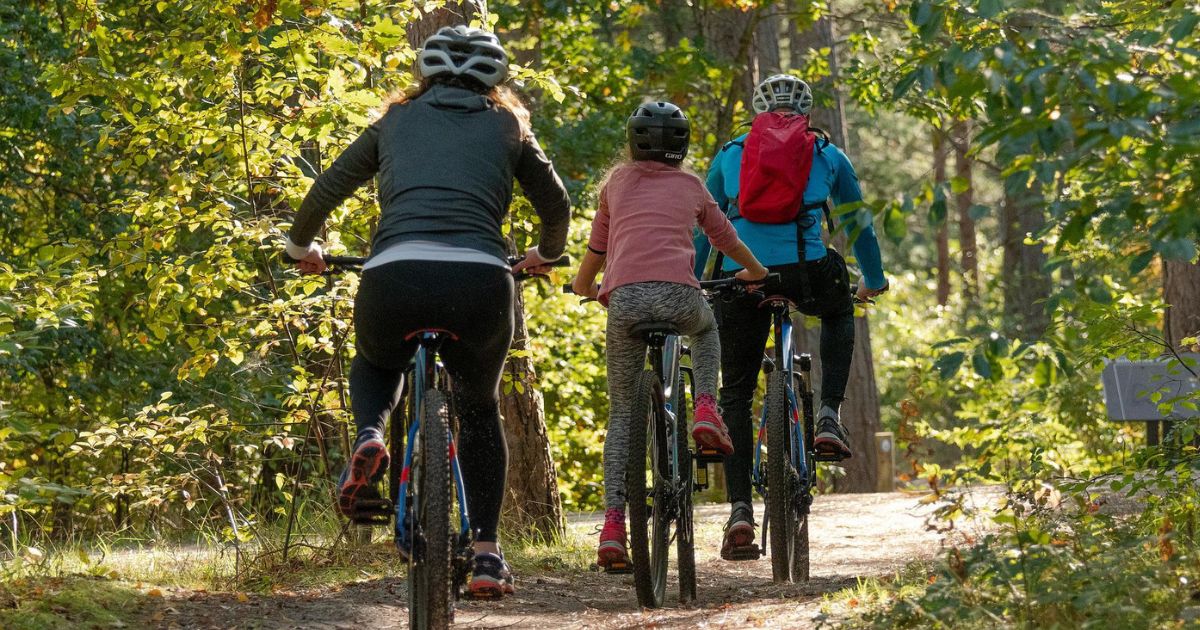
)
(426, 371)
(785, 361)
(665, 361)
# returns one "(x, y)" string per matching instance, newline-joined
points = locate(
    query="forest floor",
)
(854, 538)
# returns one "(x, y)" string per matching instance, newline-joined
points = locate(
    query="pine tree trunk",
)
(1025, 285)
(766, 43)
(532, 504)
(860, 411)
(732, 37)
(943, 230)
(963, 168)
(1181, 292)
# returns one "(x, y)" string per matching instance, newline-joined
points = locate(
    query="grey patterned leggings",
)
(633, 304)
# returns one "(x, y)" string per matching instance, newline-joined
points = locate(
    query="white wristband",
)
(298, 252)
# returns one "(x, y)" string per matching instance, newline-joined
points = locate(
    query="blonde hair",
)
(503, 96)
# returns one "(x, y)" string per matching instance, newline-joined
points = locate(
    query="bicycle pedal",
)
(709, 456)
(372, 512)
(619, 568)
(747, 552)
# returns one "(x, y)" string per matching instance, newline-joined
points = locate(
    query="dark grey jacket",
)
(446, 163)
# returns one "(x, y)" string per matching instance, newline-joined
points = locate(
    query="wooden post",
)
(885, 449)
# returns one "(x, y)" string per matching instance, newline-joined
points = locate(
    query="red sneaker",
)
(612, 548)
(366, 468)
(709, 430)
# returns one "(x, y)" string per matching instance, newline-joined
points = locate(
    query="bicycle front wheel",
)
(649, 525)
(430, 604)
(780, 480)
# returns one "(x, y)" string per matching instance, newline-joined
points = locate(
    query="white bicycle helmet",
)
(463, 51)
(782, 90)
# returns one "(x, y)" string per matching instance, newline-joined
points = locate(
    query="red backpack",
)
(776, 159)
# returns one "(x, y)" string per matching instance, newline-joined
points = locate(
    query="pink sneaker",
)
(612, 540)
(709, 430)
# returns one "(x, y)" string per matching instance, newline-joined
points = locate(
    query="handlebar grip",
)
(561, 261)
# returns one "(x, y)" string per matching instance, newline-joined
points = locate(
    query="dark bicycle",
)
(786, 474)
(426, 501)
(659, 484)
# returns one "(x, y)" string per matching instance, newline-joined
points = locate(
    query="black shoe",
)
(491, 579)
(832, 438)
(738, 543)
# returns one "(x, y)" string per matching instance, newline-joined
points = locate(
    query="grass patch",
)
(1065, 565)
(72, 602)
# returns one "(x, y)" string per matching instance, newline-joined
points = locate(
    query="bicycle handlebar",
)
(349, 262)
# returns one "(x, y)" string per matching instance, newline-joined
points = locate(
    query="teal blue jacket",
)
(832, 176)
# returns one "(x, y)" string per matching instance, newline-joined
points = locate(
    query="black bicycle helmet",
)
(658, 131)
(462, 51)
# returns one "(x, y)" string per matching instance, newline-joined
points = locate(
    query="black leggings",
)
(744, 328)
(473, 301)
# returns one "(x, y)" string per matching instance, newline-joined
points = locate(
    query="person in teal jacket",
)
(744, 326)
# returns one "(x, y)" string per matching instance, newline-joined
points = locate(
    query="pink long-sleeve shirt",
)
(645, 221)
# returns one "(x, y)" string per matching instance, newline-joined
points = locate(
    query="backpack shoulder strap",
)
(822, 138)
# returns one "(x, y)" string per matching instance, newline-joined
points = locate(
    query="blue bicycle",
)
(427, 501)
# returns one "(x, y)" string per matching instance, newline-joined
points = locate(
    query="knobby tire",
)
(430, 601)
(685, 544)
(780, 511)
(648, 530)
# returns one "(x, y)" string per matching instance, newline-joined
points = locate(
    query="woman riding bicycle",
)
(446, 154)
(642, 236)
(819, 285)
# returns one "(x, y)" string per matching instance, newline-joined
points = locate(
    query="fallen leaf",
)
(154, 592)
(242, 597)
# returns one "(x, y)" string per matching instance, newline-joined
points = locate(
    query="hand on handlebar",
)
(313, 261)
(533, 264)
(865, 294)
(754, 278)
(585, 289)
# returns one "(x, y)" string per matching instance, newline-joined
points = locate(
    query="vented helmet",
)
(462, 51)
(658, 131)
(782, 90)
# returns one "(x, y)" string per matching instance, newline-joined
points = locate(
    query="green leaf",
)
(905, 84)
(894, 224)
(1185, 26)
(960, 185)
(978, 211)
(988, 8)
(948, 365)
(1140, 262)
(982, 365)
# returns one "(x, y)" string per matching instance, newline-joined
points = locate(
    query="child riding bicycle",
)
(642, 237)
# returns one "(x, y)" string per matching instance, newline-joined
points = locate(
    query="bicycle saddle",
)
(645, 329)
(771, 299)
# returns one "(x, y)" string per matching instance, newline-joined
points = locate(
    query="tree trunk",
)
(1181, 292)
(672, 22)
(1025, 285)
(732, 37)
(860, 412)
(943, 231)
(452, 14)
(766, 43)
(532, 502)
(966, 225)
(533, 505)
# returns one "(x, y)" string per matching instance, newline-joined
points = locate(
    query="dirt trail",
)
(853, 536)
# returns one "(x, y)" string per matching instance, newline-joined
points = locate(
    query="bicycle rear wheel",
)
(430, 604)
(685, 543)
(780, 480)
(649, 526)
